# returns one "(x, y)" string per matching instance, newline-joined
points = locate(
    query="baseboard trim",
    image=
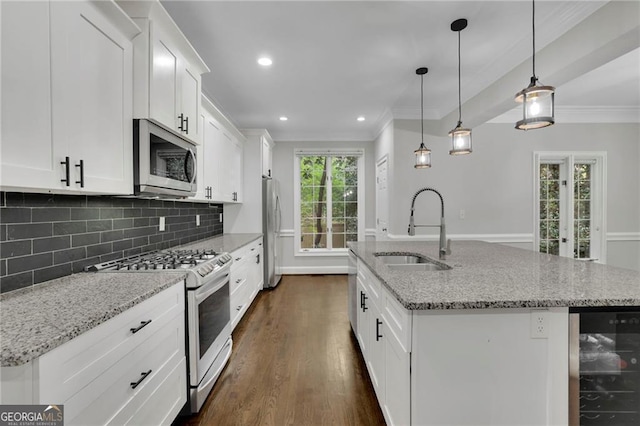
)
(313, 270)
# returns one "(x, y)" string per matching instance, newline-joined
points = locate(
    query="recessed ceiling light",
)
(283, 118)
(361, 118)
(264, 61)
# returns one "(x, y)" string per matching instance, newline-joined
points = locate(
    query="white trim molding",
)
(489, 238)
(623, 236)
(313, 270)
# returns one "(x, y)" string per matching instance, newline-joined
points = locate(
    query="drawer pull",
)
(238, 259)
(142, 325)
(144, 376)
(239, 307)
(238, 280)
(378, 324)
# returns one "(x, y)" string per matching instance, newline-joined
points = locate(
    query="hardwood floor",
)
(295, 361)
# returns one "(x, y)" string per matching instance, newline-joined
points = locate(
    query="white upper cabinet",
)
(167, 71)
(220, 157)
(67, 97)
(267, 155)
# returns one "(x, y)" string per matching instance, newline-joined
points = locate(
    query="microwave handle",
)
(195, 166)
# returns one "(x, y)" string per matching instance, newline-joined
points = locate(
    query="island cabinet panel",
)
(472, 367)
(383, 332)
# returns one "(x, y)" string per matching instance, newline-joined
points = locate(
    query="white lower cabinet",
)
(381, 331)
(461, 367)
(246, 279)
(128, 370)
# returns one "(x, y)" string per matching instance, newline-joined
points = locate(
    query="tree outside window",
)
(328, 186)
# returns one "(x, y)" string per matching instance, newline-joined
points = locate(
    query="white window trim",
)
(341, 252)
(599, 205)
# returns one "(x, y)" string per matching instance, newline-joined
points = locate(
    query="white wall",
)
(283, 160)
(494, 185)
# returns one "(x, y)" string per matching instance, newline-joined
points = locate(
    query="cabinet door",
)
(92, 74)
(189, 103)
(214, 160)
(29, 158)
(237, 155)
(397, 408)
(376, 358)
(164, 81)
(363, 319)
(266, 157)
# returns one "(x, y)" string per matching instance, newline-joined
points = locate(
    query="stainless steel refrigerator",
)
(271, 221)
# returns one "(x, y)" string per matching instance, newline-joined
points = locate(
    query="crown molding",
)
(580, 114)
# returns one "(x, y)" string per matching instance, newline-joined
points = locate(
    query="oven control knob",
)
(205, 269)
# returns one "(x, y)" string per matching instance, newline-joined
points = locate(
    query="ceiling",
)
(336, 60)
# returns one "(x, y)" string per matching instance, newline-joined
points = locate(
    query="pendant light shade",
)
(460, 137)
(423, 157)
(423, 154)
(537, 100)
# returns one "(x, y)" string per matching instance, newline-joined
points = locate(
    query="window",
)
(570, 204)
(329, 201)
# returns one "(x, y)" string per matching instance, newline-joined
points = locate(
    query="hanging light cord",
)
(422, 109)
(459, 99)
(533, 25)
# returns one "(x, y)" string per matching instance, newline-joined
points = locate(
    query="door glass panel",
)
(582, 211)
(170, 161)
(549, 208)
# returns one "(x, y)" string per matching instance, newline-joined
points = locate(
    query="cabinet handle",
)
(364, 302)
(144, 376)
(239, 307)
(181, 126)
(238, 280)
(186, 121)
(81, 181)
(238, 259)
(258, 258)
(65, 163)
(378, 324)
(142, 325)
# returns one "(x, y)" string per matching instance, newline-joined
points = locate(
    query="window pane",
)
(317, 191)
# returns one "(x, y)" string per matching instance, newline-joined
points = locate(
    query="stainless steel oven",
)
(209, 335)
(164, 162)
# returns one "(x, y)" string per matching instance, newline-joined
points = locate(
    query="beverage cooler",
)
(604, 386)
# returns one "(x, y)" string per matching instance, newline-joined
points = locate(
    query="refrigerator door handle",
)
(279, 217)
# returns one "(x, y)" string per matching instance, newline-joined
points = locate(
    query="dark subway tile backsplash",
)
(47, 236)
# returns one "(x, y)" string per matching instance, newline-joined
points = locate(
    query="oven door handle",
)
(208, 289)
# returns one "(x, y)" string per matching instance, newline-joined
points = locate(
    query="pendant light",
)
(537, 100)
(423, 154)
(460, 137)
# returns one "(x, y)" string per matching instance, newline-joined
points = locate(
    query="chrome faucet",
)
(445, 246)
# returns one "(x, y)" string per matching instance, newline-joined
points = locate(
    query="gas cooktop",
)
(166, 259)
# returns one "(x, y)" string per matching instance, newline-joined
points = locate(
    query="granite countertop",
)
(37, 319)
(487, 275)
(224, 242)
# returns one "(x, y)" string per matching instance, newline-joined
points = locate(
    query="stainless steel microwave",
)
(164, 162)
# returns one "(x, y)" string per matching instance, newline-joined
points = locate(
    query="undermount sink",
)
(410, 262)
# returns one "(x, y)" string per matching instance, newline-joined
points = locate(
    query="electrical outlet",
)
(539, 325)
(161, 224)
(197, 220)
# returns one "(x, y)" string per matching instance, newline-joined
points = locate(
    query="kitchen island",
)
(483, 343)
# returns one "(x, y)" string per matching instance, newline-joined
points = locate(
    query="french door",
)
(570, 204)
